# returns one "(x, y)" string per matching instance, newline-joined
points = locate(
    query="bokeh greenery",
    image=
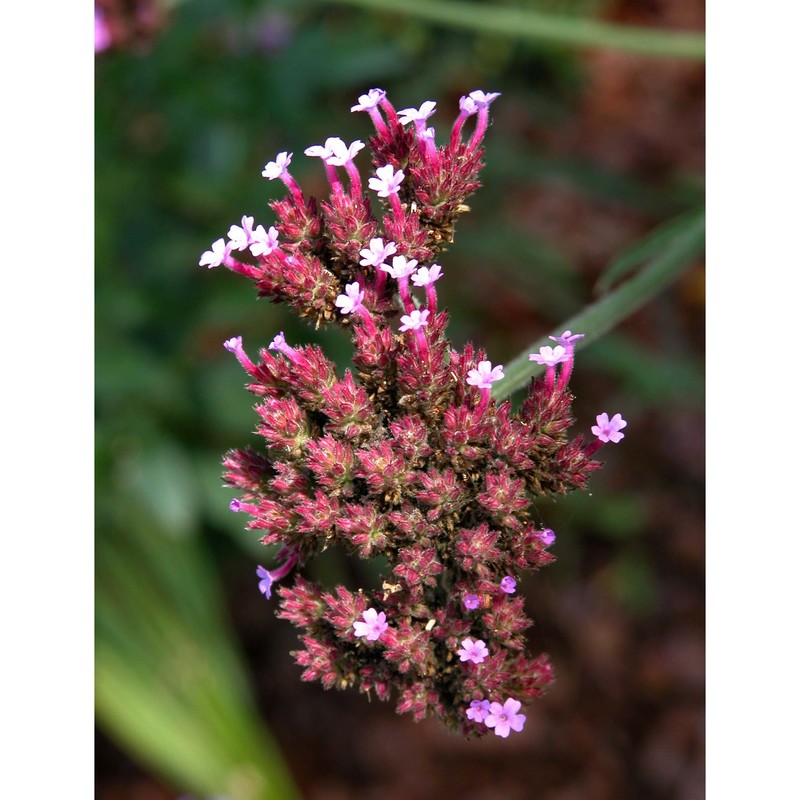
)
(184, 126)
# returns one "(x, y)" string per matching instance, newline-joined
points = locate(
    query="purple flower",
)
(216, 255)
(264, 243)
(102, 33)
(373, 626)
(567, 339)
(417, 115)
(277, 168)
(369, 100)
(508, 585)
(388, 181)
(475, 652)
(504, 718)
(471, 601)
(415, 320)
(233, 345)
(265, 584)
(377, 253)
(547, 537)
(484, 376)
(351, 300)
(609, 430)
(425, 276)
(550, 355)
(235, 505)
(478, 710)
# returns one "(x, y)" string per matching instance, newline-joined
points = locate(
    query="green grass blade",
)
(601, 316)
(534, 26)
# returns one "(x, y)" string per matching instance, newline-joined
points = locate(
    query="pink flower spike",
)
(417, 116)
(388, 181)
(427, 276)
(216, 255)
(609, 430)
(485, 375)
(550, 356)
(475, 652)
(372, 627)
(264, 243)
(278, 167)
(401, 267)
(504, 718)
(350, 302)
(369, 100)
(377, 253)
(567, 339)
(508, 585)
(478, 710)
(471, 601)
(415, 320)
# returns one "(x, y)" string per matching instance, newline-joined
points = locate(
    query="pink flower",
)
(550, 355)
(415, 320)
(425, 276)
(401, 267)
(567, 339)
(471, 601)
(377, 253)
(482, 99)
(414, 115)
(468, 106)
(478, 710)
(609, 430)
(388, 181)
(264, 243)
(277, 168)
(547, 537)
(475, 652)
(372, 627)
(504, 718)
(265, 584)
(240, 237)
(508, 585)
(102, 33)
(334, 152)
(369, 100)
(484, 376)
(216, 255)
(279, 343)
(351, 300)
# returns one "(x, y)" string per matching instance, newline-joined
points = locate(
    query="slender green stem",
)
(602, 315)
(534, 26)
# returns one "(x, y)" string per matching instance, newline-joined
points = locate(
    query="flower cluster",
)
(407, 456)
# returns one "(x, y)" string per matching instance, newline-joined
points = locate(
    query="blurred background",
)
(594, 169)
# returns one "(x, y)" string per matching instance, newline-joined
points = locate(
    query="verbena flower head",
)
(608, 430)
(396, 458)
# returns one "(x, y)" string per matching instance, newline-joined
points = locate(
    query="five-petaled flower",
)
(504, 718)
(425, 276)
(508, 585)
(241, 236)
(567, 339)
(377, 253)
(478, 710)
(485, 375)
(401, 267)
(351, 300)
(481, 98)
(550, 356)
(417, 115)
(372, 627)
(609, 430)
(388, 181)
(547, 536)
(415, 320)
(216, 255)
(369, 100)
(262, 242)
(475, 652)
(275, 169)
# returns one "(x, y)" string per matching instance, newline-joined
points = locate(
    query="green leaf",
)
(534, 26)
(678, 253)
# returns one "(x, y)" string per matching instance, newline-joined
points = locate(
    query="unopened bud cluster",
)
(406, 456)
